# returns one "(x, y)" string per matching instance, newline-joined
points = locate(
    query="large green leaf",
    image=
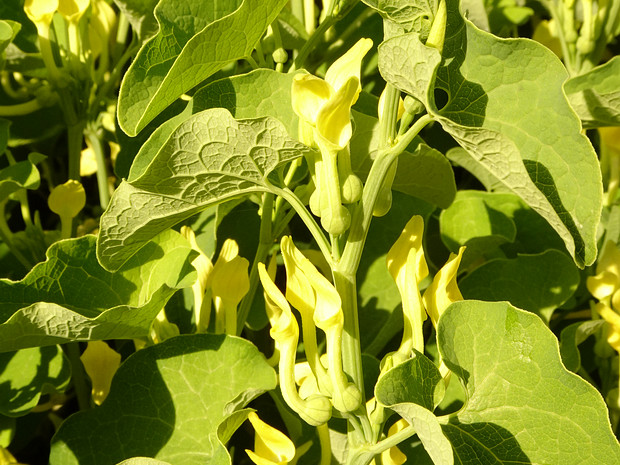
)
(27, 374)
(538, 283)
(71, 297)
(595, 95)
(209, 158)
(195, 40)
(523, 406)
(506, 106)
(413, 389)
(140, 15)
(167, 402)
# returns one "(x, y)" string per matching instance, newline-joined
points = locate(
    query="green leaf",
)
(209, 158)
(8, 31)
(142, 461)
(26, 39)
(507, 108)
(595, 95)
(572, 336)
(413, 389)
(185, 53)
(21, 175)
(523, 406)
(167, 402)
(416, 381)
(262, 92)
(416, 16)
(27, 374)
(538, 283)
(140, 15)
(71, 297)
(422, 172)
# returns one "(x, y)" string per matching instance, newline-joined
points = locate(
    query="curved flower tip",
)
(271, 446)
(66, 200)
(308, 95)
(72, 10)
(443, 290)
(613, 319)
(299, 291)
(100, 363)
(398, 255)
(229, 278)
(283, 323)
(607, 279)
(40, 12)
(393, 455)
(348, 65)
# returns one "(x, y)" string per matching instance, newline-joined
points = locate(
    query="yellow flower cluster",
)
(324, 110)
(605, 286)
(407, 265)
(318, 302)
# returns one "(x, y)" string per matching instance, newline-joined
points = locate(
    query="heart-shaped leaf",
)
(167, 402)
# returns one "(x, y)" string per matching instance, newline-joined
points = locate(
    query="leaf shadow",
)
(483, 442)
(139, 416)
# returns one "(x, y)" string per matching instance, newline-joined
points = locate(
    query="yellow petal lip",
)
(309, 93)
(299, 291)
(443, 291)
(72, 10)
(283, 324)
(41, 11)
(100, 363)
(409, 239)
(348, 65)
(613, 319)
(66, 200)
(271, 446)
(333, 122)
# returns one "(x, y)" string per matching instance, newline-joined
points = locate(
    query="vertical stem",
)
(78, 375)
(102, 171)
(75, 136)
(265, 242)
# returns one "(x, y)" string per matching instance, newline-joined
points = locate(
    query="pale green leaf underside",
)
(595, 95)
(27, 374)
(507, 108)
(71, 297)
(523, 405)
(209, 158)
(538, 283)
(195, 40)
(167, 402)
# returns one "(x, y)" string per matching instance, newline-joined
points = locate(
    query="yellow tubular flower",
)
(393, 455)
(613, 319)
(200, 290)
(100, 363)
(407, 265)
(605, 284)
(229, 282)
(300, 294)
(443, 291)
(328, 316)
(316, 409)
(72, 10)
(271, 446)
(41, 12)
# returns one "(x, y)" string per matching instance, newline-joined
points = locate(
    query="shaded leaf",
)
(512, 119)
(71, 297)
(595, 95)
(167, 402)
(185, 53)
(523, 406)
(27, 374)
(572, 336)
(538, 283)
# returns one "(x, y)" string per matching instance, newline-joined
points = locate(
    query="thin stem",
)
(20, 109)
(326, 450)
(94, 138)
(312, 42)
(78, 375)
(264, 245)
(391, 441)
(6, 235)
(309, 221)
(75, 137)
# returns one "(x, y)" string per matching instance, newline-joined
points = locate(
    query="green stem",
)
(75, 137)
(312, 42)
(20, 109)
(94, 138)
(78, 376)
(309, 221)
(265, 242)
(6, 235)
(326, 450)
(391, 441)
